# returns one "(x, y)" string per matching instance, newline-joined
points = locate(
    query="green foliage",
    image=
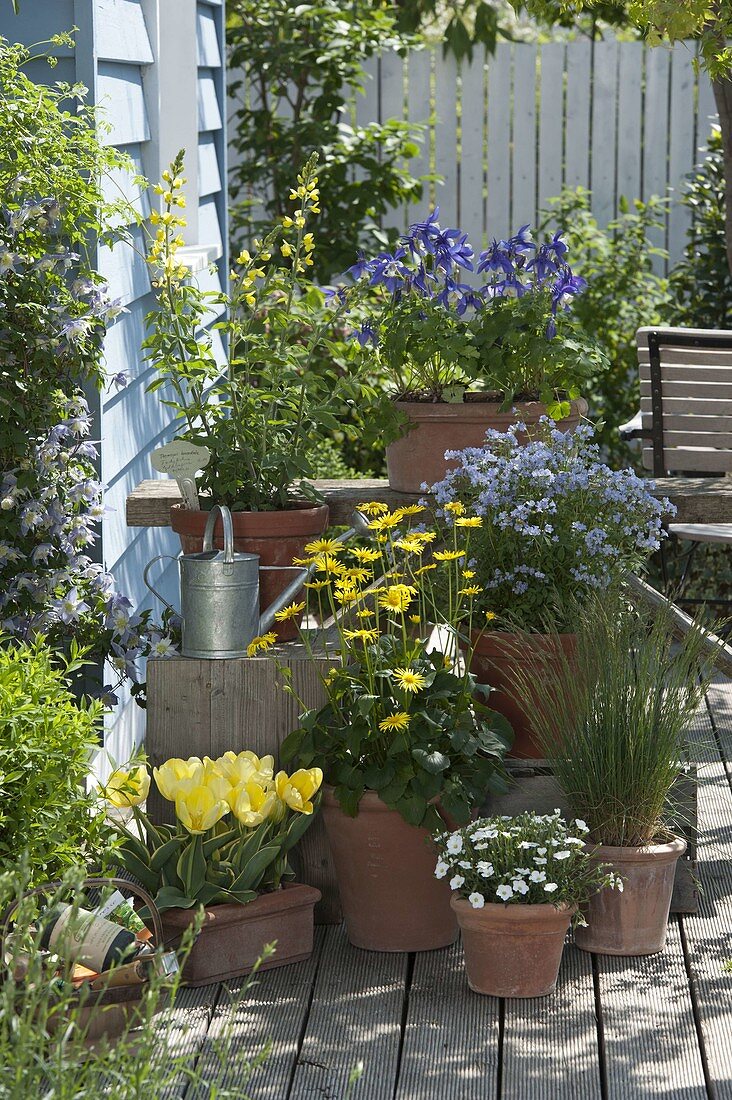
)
(46, 741)
(701, 283)
(45, 1047)
(263, 414)
(622, 293)
(303, 63)
(613, 721)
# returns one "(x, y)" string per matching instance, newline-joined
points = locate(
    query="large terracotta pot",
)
(385, 868)
(497, 656)
(512, 950)
(277, 537)
(232, 936)
(436, 427)
(632, 922)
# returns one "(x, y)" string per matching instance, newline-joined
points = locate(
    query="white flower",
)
(465, 864)
(520, 886)
(476, 900)
(581, 825)
(454, 844)
(456, 882)
(562, 855)
(522, 871)
(550, 887)
(527, 844)
(619, 884)
(484, 869)
(537, 876)
(575, 840)
(541, 851)
(441, 869)
(481, 847)
(504, 892)
(540, 860)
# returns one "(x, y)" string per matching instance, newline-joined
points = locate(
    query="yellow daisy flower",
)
(373, 508)
(361, 635)
(469, 521)
(471, 590)
(410, 545)
(263, 641)
(326, 563)
(490, 616)
(290, 612)
(455, 508)
(381, 523)
(448, 555)
(415, 619)
(359, 576)
(366, 613)
(409, 680)
(396, 598)
(365, 555)
(346, 595)
(324, 546)
(410, 510)
(424, 569)
(317, 585)
(398, 721)
(447, 662)
(468, 574)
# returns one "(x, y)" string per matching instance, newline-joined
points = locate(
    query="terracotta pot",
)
(436, 427)
(496, 657)
(632, 922)
(277, 537)
(385, 868)
(232, 936)
(512, 950)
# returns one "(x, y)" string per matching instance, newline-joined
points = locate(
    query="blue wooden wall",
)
(156, 67)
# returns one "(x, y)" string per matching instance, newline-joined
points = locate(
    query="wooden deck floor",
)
(617, 1029)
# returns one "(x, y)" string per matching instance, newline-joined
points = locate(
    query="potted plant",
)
(235, 822)
(261, 412)
(404, 744)
(463, 358)
(556, 525)
(616, 739)
(518, 883)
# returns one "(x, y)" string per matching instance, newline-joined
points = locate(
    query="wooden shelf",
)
(697, 499)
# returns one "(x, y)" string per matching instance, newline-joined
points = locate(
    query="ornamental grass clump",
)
(531, 859)
(556, 524)
(615, 729)
(402, 716)
(236, 820)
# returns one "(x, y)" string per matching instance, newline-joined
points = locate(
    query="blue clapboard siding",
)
(115, 57)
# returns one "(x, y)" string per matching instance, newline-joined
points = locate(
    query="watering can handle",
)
(160, 557)
(208, 534)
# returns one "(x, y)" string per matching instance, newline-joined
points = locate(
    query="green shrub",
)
(46, 740)
(623, 293)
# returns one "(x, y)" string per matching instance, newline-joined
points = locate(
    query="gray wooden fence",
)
(507, 132)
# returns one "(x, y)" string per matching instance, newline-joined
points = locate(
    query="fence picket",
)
(419, 110)
(706, 111)
(472, 135)
(629, 120)
(523, 174)
(604, 129)
(551, 121)
(579, 77)
(498, 208)
(655, 136)
(446, 158)
(681, 152)
(392, 93)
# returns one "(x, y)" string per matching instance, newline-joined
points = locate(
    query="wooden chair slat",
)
(693, 405)
(690, 372)
(690, 458)
(693, 357)
(716, 391)
(679, 422)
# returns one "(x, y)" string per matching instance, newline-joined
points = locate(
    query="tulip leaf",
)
(214, 843)
(251, 875)
(170, 898)
(141, 871)
(161, 856)
(297, 829)
(134, 845)
(191, 866)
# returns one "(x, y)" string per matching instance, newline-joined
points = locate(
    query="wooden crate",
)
(203, 708)
(535, 788)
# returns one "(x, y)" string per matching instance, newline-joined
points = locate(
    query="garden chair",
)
(685, 418)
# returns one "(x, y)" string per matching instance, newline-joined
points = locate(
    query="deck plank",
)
(709, 934)
(651, 1047)
(182, 1029)
(355, 1017)
(273, 1012)
(451, 1037)
(550, 1044)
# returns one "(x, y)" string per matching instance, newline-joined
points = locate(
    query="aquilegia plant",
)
(555, 522)
(510, 336)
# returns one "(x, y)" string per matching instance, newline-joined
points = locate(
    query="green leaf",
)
(161, 856)
(191, 866)
(432, 762)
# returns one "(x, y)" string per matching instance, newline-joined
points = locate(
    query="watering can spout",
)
(267, 618)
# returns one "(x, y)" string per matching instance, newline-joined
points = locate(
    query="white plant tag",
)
(182, 460)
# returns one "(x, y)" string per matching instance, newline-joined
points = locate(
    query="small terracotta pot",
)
(497, 656)
(436, 427)
(633, 922)
(512, 950)
(277, 537)
(232, 936)
(385, 868)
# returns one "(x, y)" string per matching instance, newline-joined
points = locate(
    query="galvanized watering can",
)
(219, 593)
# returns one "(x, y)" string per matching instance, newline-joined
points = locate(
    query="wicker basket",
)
(107, 1012)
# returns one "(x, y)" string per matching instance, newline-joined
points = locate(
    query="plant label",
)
(182, 460)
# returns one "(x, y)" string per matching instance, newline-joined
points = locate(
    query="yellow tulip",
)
(127, 787)
(297, 790)
(252, 804)
(199, 809)
(246, 765)
(177, 776)
(215, 779)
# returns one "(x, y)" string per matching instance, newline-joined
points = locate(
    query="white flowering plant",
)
(531, 859)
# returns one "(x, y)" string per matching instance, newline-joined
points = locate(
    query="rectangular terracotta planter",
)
(232, 936)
